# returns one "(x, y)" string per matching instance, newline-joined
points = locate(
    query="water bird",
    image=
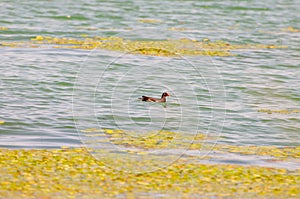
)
(152, 99)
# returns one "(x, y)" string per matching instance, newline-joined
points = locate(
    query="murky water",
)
(43, 90)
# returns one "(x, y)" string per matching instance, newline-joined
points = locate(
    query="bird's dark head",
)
(165, 94)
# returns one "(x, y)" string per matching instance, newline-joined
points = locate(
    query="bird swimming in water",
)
(152, 99)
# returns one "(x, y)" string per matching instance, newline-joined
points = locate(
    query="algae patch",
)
(154, 140)
(74, 173)
(291, 29)
(170, 47)
(283, 111)
(3, 28)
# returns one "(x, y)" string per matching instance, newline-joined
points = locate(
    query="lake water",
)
(49, 95)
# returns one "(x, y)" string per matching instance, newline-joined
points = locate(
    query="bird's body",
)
(152, 99)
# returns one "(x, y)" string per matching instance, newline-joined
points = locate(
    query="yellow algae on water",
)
(291, 29)
(74, 173)
(84, 35)
(153, 140)
(149, 21)
(3, 28)
(91, 130)
(280, 153)
(283, 111)
(168, 48)
(177, 29)
(38, 38)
